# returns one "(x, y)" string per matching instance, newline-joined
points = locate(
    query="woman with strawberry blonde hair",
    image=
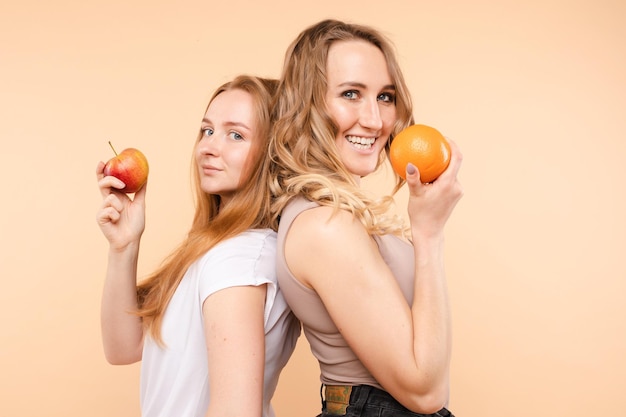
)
(372, 301)
(210, 326)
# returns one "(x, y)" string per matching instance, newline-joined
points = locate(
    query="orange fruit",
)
(423, 146)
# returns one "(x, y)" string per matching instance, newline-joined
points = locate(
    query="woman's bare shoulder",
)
(324, 234)
(327, 222)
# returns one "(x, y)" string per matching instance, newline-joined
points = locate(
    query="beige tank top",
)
(339, 365)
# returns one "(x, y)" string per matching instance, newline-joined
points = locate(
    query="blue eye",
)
(207, 131)
(387, 98)
(350, 94)
(236, 136)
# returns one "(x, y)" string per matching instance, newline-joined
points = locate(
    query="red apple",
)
(130, 166)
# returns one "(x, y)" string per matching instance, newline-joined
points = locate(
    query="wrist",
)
(126, 248)
(428, 247)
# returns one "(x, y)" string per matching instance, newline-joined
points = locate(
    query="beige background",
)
(534, 92)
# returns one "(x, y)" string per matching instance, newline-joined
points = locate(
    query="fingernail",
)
(410, 169)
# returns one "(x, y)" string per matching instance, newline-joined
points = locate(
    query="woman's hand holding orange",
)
(430, 205)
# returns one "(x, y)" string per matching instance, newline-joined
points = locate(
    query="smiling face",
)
(361, 100)
(228, 132)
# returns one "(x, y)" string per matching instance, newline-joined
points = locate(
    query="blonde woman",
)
(210, 326)
(373, 302)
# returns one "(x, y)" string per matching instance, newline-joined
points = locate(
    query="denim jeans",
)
(367, 401)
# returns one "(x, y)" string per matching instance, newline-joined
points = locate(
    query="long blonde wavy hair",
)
(305, 160)
(213, 222)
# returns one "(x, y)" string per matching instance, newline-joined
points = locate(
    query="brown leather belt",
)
(337, 399)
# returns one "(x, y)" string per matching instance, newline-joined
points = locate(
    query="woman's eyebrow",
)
(363, 86)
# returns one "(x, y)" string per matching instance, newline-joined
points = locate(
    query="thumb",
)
(412, 173)
(140, 195)
(413, 180)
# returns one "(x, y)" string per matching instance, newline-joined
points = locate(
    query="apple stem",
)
(111, 145)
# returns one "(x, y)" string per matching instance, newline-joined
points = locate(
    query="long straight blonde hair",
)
(213, 222)
(304, 156)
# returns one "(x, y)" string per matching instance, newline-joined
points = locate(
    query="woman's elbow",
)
(426, 402)
(120, 358)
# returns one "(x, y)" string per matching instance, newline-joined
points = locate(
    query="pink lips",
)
(209, 169)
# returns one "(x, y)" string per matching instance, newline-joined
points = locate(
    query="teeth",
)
(361, 143)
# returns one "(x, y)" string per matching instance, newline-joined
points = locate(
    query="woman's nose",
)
(209, 145)
(370, 116)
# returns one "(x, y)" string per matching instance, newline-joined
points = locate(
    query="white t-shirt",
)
(174, 379)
